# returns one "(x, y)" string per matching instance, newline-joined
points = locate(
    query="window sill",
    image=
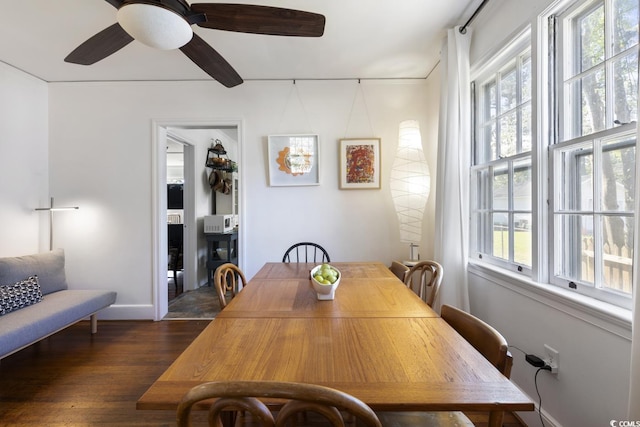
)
(609, 317)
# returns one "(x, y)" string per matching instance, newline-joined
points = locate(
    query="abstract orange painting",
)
(360, 163)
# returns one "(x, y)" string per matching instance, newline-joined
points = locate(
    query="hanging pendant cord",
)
(463, 29)
(366, 109)
(286, 106)
(304, 110)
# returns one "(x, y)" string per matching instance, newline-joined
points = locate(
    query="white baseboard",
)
(532, 419)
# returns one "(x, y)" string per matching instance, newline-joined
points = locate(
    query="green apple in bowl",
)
(325, 279)
(327, 275)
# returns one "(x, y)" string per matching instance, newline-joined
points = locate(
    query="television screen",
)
(175, 196)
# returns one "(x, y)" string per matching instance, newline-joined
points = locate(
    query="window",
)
(598, 66)
(593, 214)
(501, 175)
(593, 161)
(584, 154)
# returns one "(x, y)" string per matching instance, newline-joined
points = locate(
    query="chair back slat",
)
(225, 280)
(300, 399)
(425, 278)
(306, 252)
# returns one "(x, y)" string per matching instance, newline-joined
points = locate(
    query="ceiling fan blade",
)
(211, 62)
(115, 3)
(103, 44)
(254, 19)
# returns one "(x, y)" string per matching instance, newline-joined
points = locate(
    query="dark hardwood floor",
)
(75, 379)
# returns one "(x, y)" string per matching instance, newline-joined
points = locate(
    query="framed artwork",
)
(360, 163)
(293, 160)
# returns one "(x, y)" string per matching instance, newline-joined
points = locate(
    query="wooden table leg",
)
(495, 418)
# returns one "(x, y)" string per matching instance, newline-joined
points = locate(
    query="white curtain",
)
(454, 154)
(634, 389)
(634, 392)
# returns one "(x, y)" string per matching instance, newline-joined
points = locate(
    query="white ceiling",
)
(362, 39)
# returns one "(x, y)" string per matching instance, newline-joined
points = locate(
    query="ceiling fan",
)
(166, 24)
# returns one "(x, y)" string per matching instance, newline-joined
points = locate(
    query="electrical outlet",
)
(552, 358)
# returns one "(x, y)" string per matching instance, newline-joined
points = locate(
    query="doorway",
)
(175, 216)
(195, 138)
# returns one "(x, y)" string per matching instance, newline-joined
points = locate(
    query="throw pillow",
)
(19, 295)
(48, 266)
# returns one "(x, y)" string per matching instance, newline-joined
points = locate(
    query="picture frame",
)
(360, 163)
(294, 160)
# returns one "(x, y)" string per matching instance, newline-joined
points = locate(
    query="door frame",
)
(159, 204)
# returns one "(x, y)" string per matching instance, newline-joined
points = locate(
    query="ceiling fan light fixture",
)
(155, 26)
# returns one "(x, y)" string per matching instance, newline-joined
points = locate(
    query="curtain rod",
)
(463, 29)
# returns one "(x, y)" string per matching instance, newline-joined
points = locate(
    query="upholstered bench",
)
(35, 301)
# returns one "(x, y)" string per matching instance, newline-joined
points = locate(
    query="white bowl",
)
(325, 292)
(222, 253)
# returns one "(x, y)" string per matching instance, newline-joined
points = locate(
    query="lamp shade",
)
(410, 182)
(155, 26)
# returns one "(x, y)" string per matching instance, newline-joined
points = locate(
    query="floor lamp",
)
(51, 210)
(410, 184)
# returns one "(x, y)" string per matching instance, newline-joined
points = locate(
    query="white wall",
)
(101, 159)
(23, 163)
(592, 386)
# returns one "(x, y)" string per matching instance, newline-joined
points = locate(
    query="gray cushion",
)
(48, 266)
(19, 295)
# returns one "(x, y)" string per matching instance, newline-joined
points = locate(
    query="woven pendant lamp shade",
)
(410, 182)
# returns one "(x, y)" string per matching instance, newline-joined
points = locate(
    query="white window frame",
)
(564, 137)
(593, 144)
(487, 72)
(564, 45)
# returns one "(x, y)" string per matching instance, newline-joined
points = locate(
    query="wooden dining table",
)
(376, 340)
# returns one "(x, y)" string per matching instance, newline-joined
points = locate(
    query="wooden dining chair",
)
(306, 252)
(240, 399)
(399, 269)
(225, 280)
(425, 278)
(484, 338)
